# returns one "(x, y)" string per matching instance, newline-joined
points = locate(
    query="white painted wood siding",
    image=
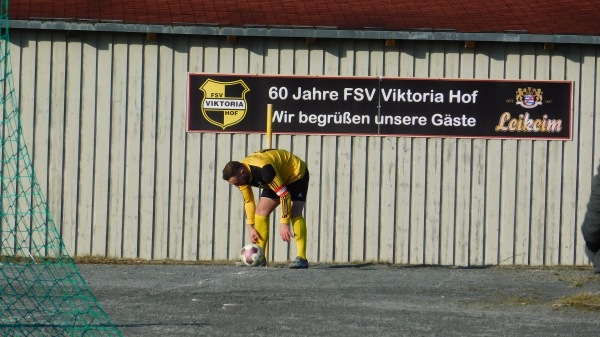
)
(104, 119)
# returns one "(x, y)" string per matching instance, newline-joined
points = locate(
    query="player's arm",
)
(249, 204)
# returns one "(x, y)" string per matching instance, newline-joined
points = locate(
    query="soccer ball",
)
(252, 255)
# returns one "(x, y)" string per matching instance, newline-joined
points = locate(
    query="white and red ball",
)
(252, 255)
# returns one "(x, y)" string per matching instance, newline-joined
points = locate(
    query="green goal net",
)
(42, 292)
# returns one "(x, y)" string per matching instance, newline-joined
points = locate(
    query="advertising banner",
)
(374, 106)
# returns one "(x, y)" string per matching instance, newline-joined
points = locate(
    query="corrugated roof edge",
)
(303, 32)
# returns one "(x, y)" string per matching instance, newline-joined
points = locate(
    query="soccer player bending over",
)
(283, 178)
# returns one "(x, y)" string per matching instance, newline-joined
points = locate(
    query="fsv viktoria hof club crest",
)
(224, 103)
(528, 97)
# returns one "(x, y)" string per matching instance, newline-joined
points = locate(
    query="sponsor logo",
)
(224, 103)
(528, 97)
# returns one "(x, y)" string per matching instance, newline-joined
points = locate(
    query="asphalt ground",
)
(344, 300)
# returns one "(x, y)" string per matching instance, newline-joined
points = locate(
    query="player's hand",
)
(254, 235)
(284, 232)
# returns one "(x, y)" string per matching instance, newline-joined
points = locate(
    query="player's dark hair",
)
(231, 169)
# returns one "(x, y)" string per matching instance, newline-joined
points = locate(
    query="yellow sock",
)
(261, 224)
(299, 225)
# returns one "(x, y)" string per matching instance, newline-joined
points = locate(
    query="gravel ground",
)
(343, 300)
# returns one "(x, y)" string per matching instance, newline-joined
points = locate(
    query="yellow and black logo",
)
(224, 103)
(529, 97)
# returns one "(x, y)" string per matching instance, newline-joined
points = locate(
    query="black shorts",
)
(298, 189)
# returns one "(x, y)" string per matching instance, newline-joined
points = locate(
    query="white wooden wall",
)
(104, 116)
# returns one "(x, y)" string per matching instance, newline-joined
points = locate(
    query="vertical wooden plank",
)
(56, 129)
(389, 171)
(223, 150)
(419, 172)
(554, 189)
(222, 194)
(434, 172)
(133, 147)
(316, 61)
(237, 220)
(271, 57)
(478, 184)
(300, 58)
(16, 43)
(207, 196)
(329, 226)
(117, 142)
(493, 174)
(463, 177)
(374, 219)
(342, 193)
(193, 168)
(463, 196)
(347, 58)
(449, 188)
(448, 205)
(286, 57)
(103, 118)
(493, 203)
(417, 204)
(12, 107)
(87, 137)
(387, 209)
(27, 88)
(27, 110)
(332, 58)
(477, 208)
(403, 197)
(148, 157)
(358, 169)
(164, 124)
(325, 235)
(524, 174)
(508, 189)
(209, 167)
(570, 161)
(402, 243)
(586, 165)
(433, 202)
(178, 149)
(372, 199)
(344, 174)
(38, 148)
(539, 183)
(73, 108)
(316, 202)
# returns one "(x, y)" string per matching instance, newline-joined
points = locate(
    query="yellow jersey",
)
(271, 169)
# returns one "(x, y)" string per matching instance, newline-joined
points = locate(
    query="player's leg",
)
(299, 190)
(299, 226)
(264, 208)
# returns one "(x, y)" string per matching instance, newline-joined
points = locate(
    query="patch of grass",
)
(583, 301)
(578, 280)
